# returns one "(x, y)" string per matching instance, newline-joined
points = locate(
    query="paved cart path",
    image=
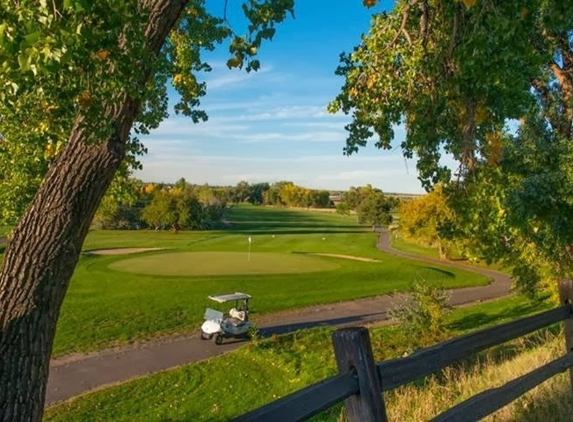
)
(76, 374)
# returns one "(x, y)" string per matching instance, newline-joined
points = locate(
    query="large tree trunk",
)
(44, 247)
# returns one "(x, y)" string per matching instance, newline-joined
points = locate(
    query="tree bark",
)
(44, 248)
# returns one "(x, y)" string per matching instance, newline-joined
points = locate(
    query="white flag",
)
(249, 239)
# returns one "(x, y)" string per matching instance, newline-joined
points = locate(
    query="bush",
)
(422, 316)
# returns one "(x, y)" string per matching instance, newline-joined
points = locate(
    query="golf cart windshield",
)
(213, 315)
(229, 297)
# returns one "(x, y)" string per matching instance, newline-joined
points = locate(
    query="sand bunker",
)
(120, 251)
(355, 258)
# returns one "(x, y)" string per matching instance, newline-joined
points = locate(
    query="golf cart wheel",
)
(218, 339)
(205, 336)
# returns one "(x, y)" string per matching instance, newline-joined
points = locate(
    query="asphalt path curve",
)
(73, 375)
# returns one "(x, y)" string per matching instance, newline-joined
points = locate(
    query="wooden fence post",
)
(353, 352)
(566, 296)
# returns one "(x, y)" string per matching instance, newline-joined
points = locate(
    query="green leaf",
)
(255, 65)
(234, 62)
(32, 38)
(24, 61)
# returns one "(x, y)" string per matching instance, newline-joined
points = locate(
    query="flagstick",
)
(249, 254)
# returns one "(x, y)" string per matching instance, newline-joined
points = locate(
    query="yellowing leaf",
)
(102, 55)
(84, 99)
(469, 3)
(234, 62)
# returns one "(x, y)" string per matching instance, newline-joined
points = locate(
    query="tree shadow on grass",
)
(446, 273)
(330, 322)
(274, 214)
(279, 329)
(318, 231)
(482, 319)
(511, 348)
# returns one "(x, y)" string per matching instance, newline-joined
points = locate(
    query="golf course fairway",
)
(223, 263)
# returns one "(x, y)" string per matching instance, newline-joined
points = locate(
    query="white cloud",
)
(227, 78)
(266, 135)
(385, 170)
(316, 136)
(288, 112)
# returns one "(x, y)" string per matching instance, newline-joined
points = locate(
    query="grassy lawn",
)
(410, 247)
(4, 230)
(226, 386)
(105, 306)
(209, 263)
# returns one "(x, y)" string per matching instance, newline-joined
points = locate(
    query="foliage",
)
(131, 204)
(427, 218)
(370, 204)
(286, 193)
(454, 73)
(422, 318)
(376, 210)
(355, 195)
(69, 57)
(120, 208)
(254, 334)
(439, 69)
(342, 208)
(176, 209)
(105, 66)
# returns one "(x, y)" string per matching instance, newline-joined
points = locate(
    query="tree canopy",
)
(427, 218)
(80, 80)
(66, 57)
(460, 76)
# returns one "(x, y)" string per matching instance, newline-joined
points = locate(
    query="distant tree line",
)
(370, 204)
(133, 204)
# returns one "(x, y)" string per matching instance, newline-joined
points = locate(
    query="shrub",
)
(422, 315)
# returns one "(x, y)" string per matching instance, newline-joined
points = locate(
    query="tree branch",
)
(405, 16)
(565, 79)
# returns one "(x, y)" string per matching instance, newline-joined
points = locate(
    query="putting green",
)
(222, 263)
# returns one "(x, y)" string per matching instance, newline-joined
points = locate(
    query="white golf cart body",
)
(234, 324)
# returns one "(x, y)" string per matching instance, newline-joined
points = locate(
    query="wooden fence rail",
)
(361, 382)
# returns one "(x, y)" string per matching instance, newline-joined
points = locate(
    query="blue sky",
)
(272, 124)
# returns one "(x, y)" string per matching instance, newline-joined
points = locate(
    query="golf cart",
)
(235, 324)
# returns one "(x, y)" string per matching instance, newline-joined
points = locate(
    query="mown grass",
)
(404, 245)
(104, 307)
(229, 385)
(236, 263)
(4, 230)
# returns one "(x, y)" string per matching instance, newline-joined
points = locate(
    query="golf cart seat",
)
(238, 315)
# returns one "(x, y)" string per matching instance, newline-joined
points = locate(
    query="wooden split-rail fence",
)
(361, 382)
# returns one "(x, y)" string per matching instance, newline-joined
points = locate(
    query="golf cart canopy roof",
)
(229, 297)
